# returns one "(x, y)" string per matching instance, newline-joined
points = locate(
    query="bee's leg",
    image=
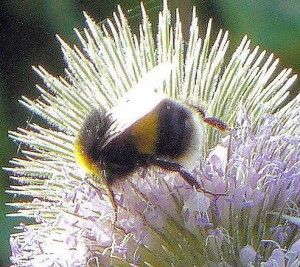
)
(110, 195)
(112, 199)
(212, 121)
(176, 167)
(216, 123)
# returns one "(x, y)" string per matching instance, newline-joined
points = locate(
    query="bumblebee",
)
(169, 134)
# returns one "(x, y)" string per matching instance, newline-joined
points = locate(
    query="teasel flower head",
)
(162, 220)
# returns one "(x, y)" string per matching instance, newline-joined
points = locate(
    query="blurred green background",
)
(27, 37)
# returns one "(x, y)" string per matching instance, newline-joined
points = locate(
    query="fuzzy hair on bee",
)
(149, 130)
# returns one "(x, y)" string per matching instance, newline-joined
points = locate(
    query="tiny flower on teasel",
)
(161, 220)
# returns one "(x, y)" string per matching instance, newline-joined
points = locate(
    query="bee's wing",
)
(139, 101)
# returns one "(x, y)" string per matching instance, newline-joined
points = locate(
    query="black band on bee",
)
(175, 129)
(93, 133)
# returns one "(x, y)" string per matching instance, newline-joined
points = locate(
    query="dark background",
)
(27, 37)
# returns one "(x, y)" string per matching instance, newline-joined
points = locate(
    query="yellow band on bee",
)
(145, 133)
(83, 160)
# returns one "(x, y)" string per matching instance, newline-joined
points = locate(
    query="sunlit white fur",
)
(141, 99)
(193, 153)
